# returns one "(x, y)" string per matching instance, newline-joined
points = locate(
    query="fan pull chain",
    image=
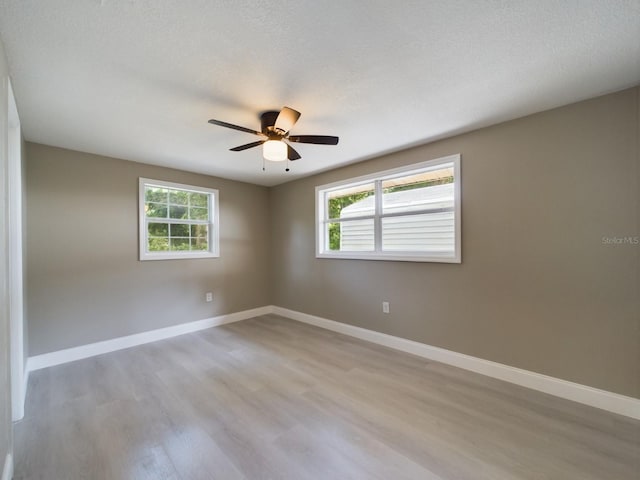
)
(263, 163)
(287, 169)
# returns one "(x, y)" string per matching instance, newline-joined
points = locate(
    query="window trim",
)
(214, 230)
(378, 254)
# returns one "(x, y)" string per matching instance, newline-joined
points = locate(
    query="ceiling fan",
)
(275, 127)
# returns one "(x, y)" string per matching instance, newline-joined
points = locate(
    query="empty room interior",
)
(320, 240)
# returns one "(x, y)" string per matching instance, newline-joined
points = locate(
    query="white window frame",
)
(213, 223)
(322, 250)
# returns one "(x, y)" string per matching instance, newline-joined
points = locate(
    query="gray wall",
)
(5, 383)
(537, 288)
(84, 280)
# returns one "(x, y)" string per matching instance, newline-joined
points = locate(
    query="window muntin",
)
(177, 221)
(411, 213)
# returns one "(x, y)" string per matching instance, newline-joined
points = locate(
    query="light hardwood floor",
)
(270, 398)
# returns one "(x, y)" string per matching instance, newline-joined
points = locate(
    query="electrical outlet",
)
(209, 297)
(385, 307)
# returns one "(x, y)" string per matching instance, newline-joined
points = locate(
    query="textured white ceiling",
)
(138, 79)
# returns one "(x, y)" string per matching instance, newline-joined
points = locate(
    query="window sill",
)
(433, 258)
(174, 256)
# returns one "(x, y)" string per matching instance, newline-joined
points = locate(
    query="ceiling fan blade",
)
(235, 127)
(292, 154)
(287, 118)
(317, 139)
(246, 146)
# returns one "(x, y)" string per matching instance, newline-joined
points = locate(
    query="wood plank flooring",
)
(270, 398)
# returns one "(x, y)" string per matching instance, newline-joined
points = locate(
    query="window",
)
(177, 221)
(410, 213)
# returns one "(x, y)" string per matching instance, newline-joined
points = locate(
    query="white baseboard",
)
(7, 470)
(84, 351)
(576, 392)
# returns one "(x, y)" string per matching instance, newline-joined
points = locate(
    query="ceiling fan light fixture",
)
(274, 150)
(275, 128)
